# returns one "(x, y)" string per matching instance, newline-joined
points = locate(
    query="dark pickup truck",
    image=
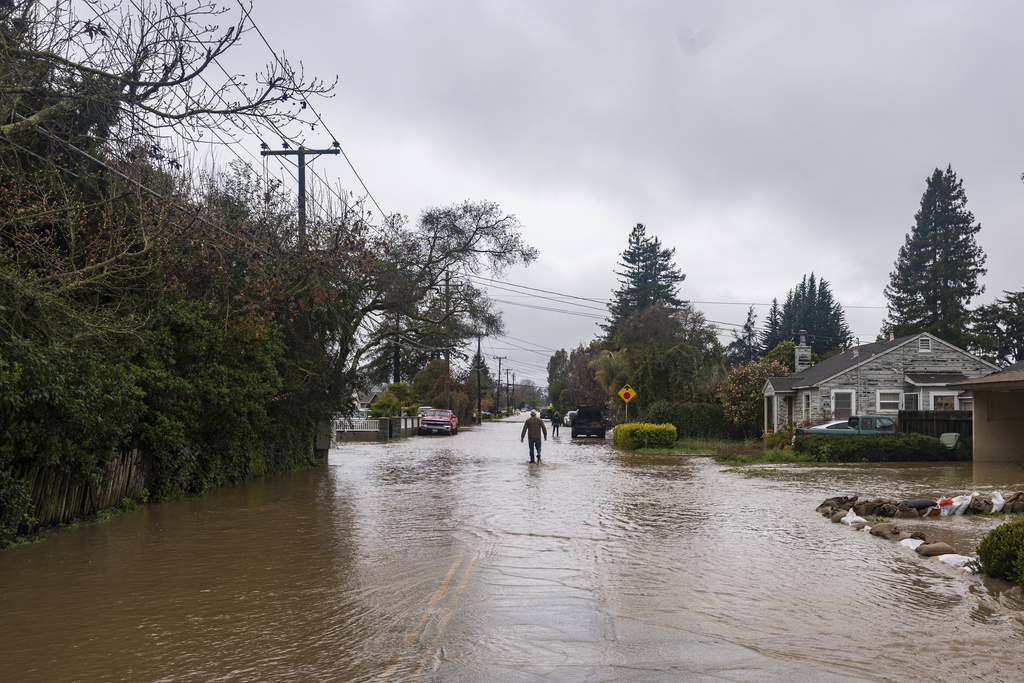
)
(589, 421)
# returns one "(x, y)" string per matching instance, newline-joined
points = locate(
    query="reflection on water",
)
(456, 558)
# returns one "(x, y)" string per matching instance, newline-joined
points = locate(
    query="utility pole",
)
(512, 389)
(447, 343)
(479, 382)
(301, 152)
(497, 385)
(508, 397)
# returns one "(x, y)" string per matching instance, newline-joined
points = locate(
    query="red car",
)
(443, 421)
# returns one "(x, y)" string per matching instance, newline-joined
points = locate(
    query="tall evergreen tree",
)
(936, 273)
(648, 276)
(999, 328)
(745, 346)
(773, 333)
(809, 306)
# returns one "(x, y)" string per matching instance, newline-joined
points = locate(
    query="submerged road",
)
(455, 559)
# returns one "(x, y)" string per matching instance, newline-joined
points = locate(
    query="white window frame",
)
(924, 345)
(853, 401)
(878, 400)
(903, 400)
(807, 406)
(931, 398)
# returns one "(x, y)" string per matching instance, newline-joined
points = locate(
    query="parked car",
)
(423, 410)
(443, 421)
(589, 421)
(569, 415)
(855, 424)
(545, 413)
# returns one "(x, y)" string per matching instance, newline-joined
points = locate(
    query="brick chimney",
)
(803, 353)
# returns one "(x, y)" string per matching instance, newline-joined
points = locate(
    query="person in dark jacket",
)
(556, 420)
(533, 427)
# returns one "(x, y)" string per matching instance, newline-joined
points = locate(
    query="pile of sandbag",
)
(835, 508)
(891, 531)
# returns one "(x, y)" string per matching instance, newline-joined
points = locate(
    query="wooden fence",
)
(57, 498)
(937, 422)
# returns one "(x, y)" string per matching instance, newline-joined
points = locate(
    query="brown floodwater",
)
(454, 559)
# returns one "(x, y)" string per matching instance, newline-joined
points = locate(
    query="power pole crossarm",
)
(301, 153)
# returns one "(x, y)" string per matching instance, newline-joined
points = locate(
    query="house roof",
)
(847, 360)
(1010, 378)
(934, 379)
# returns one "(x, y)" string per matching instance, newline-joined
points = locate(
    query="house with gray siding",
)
(914, 372)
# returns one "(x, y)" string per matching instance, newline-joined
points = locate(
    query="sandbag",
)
(918, 503)
(954, 560)
(1014, 502)
(889, 531)
(934, 549)
(852, 519)
(997, 501)
(838, 516)
(980, 505)
(906, 512)
(911, 542)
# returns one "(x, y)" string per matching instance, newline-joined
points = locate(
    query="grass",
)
(749, 452)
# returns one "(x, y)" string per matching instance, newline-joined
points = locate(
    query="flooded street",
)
(454, 559)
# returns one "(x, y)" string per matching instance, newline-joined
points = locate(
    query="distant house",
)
(916, 372)
(998, 414)
(368, 398)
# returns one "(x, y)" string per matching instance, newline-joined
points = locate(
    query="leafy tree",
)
(999, 328)
(742, 394)
(558, 371)
(745, 346)
(936, 273)
(648, 277)
(784, 354)
(581, 385)
(669, 353)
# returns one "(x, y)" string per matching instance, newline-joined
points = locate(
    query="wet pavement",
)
(455, 559)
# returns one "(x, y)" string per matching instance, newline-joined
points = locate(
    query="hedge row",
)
(635, 435)
(699, 420)
(855, 448)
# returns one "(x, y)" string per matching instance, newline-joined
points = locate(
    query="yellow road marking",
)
(431, 605)
(450, 607)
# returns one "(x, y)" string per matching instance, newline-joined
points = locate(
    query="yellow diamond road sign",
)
(627, 393)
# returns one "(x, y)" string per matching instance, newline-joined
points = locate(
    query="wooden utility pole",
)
(301, 153)
(479, 382)
(497, 385)
(447, 343)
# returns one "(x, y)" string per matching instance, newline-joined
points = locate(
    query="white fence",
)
(347, 425)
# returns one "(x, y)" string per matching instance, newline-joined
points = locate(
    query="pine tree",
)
(999, 328)
(937, 271)
(745, 346)
(773, 334)
(809, 306)
(648, 276)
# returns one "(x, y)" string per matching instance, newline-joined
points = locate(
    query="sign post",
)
(627, 394)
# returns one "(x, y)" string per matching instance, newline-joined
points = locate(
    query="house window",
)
(888, 400)
(943, 401)
(911, 401)
(924, 345)
(966, 403)
(843, 404)
(807, 406)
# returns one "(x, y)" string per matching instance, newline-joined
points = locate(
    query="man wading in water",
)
(535, 426)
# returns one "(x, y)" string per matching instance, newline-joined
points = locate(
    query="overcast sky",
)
(761, 140)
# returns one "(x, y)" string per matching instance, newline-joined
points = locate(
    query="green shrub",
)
(775, 440)
(1001, 552)
(635, 435)
(698, 420)
(876, 448)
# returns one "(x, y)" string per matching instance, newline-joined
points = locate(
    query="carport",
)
(998, 415)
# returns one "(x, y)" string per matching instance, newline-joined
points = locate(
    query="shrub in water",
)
(1001, 552)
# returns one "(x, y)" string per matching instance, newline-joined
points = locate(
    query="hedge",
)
(634, 435)
(700, 420)
(879, 448)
